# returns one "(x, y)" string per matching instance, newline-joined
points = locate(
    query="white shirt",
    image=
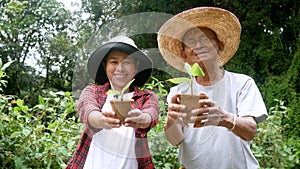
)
(113, 148)
(214, 147)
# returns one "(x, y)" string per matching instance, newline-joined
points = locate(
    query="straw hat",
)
(224, 23)
(121, 44)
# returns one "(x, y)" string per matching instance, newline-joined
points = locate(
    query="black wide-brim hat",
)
(97, 71)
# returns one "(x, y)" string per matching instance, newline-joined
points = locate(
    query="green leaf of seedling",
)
(113, 92)
(127, 86)
(196, 70)
(179, 80)
(188, 68)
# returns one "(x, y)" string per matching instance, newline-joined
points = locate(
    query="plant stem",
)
(191, 83)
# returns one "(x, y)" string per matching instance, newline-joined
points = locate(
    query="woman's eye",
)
(113, 62)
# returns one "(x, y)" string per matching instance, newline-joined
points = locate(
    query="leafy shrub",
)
(46, 135)
(271, 147)
(164, 155)
(39, 137)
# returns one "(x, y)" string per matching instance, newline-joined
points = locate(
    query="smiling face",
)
(200, 45)
(120, 69)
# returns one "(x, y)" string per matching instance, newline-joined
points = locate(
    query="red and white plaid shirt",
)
(93, 98)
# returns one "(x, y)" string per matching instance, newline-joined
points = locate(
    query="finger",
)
(174, 98)
(134, 119)
(198, 124)
(114, 126)
(175, 115)
(203, 95)
(200, 111)
(206, 103)
(108, 113)
(109, 120)
(135, 112)
(176, 107)
(200, 118)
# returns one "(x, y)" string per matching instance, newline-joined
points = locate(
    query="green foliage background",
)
(38, 120)
(48, 133)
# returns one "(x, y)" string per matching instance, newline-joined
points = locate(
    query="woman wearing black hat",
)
(105, 142)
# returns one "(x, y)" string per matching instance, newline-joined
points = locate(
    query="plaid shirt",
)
(93, 98)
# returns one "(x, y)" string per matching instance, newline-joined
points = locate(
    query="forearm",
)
(174, 133)
(93, 119)
(151, 108)
(245, 127)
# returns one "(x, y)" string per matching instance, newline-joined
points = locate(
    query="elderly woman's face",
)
(200, 45)
(120, 69)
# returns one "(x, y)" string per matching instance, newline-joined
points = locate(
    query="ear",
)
(183, 55)
(220, 46)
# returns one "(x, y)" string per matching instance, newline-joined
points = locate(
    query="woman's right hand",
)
(104, 119)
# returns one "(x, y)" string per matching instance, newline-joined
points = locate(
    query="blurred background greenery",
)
(43, 46)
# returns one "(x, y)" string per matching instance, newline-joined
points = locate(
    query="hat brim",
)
(225, 24)
(97, 71)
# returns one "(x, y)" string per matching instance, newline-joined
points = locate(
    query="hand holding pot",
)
(137, 119)
(105, 119)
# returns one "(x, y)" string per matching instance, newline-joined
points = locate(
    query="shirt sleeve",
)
(251, 103)
(150, 106)
(88, 103)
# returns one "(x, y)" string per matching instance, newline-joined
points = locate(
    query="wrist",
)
(233, 122)
(147, 122)
(227, 120)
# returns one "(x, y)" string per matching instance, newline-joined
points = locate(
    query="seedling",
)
(120, 94)
(192, 71)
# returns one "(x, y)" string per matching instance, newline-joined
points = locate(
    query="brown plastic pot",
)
(191, 102)
(121, 108)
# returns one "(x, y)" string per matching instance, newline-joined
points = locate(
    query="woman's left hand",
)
(137, 119)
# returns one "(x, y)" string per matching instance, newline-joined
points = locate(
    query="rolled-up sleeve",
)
(148, 103)
(86, 104)
(151, 107)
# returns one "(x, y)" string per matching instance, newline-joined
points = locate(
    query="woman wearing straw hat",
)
(105, 142)
(230, 104)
